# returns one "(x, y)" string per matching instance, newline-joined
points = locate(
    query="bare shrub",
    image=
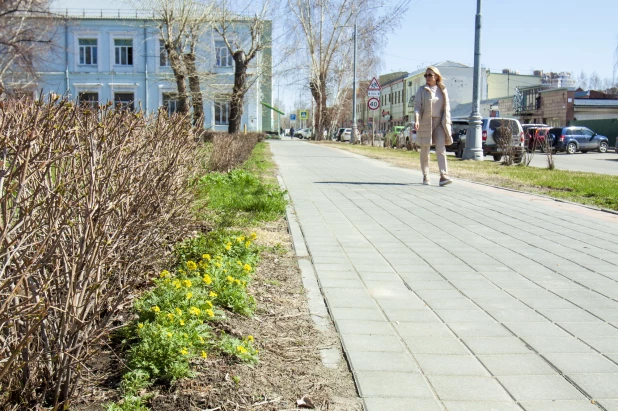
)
(503, 136)
(230, 150)
(88, 201)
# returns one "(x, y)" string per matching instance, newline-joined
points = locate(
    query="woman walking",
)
(432, 112)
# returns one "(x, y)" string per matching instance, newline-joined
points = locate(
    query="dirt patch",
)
(289, 346)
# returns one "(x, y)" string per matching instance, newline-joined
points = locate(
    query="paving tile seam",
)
(530, 347)
(562, 234)
(395, 331)
(537, 262)
(517, 299)
(478, 210)
(446, 325)
(522, 302)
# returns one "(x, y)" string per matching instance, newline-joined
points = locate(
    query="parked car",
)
(577, 138)
(303, 133)
(346, 135)
(337, 135)
(489, 145)
(534, 136)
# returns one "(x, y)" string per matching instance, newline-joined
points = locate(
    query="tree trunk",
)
(238, 92)
(179, 74)
(318, 92)
(197, 100)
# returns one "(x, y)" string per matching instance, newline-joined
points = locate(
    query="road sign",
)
(373, 103)
(293, 117)
(374, 85)
(304, 115)
(373, 93)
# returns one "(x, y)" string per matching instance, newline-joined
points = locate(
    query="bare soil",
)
(289, 344)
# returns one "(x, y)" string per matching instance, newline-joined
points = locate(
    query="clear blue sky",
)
(523, 35)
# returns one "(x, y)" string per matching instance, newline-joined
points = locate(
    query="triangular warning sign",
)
(374, 85)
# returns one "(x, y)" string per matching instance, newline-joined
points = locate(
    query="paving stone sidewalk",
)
(463, 297)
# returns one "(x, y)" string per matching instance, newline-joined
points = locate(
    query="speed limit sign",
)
(373, 103)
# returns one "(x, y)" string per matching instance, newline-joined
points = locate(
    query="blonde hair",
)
(435, 70)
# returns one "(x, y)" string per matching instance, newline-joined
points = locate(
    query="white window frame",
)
(88, 52)
(229, 58)
(129, 50)
(163, 54)
(167, 90)
(222, 103)
(86, 35)
(122, 35)
(88, 88)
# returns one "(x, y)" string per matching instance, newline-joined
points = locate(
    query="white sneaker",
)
(426, 181)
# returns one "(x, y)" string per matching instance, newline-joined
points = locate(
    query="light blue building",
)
(112, 52)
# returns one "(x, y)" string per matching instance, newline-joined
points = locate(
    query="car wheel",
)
(459, 151)
(603, 147)
(497, 157)
(571, 148)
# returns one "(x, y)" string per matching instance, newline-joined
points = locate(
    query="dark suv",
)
(576, 138)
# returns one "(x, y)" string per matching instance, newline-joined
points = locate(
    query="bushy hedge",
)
(89, 198)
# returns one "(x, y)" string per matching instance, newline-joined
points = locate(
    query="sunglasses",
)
(428, 75)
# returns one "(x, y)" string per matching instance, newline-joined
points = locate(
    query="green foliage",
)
(242, 349)
(240, 198)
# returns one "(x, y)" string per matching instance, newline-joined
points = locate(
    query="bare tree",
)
(181, 24)
(24, 33)
(582, 80)
(595, 81)
(244, 38)
(325, 31)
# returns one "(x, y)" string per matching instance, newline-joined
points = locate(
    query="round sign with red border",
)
(373, 103)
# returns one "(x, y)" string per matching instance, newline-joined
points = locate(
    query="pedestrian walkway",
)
(463, 297)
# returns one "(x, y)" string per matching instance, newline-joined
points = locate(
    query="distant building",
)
(115, 54)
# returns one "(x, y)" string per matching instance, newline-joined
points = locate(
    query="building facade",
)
(117, 55)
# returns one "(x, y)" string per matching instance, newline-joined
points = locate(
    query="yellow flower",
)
(218, 257)
(247, 244)
(218, 265)
(182, 322)
(188, 283)
(208, 303)
(240, 239)
(184, 351)
(212, 294)
(228, 246)
(246, 267)
(230, 279)
(177, 283)
(178, 311)
(201, 340)
(225, 271)
(191, 266)
(156, 309)
(206, 257)
(250, 338)
(140, 326)
(207, 279)
(189, 295)
(253, 236)
(210, 313)
(164, 274)
(241, 349)
(169, 335)
(204, 355)
(239, 262)
(237, 281)
(170, 316)
(195, 311)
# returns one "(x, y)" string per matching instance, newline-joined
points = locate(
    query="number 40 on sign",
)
(373, 104)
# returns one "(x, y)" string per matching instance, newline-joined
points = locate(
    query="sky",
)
(522, 35)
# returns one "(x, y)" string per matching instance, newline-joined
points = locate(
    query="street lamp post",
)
(354, 125)
(474, 150)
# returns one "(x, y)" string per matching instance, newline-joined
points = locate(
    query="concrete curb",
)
(331, 357)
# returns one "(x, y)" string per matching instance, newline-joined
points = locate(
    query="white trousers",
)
(439, 138)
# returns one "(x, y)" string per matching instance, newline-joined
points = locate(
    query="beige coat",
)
(422, 112)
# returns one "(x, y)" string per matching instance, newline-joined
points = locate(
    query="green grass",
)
(593, 189)
(243, 197)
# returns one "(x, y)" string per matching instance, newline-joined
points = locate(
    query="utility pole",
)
(474, 149)
(354, 126)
